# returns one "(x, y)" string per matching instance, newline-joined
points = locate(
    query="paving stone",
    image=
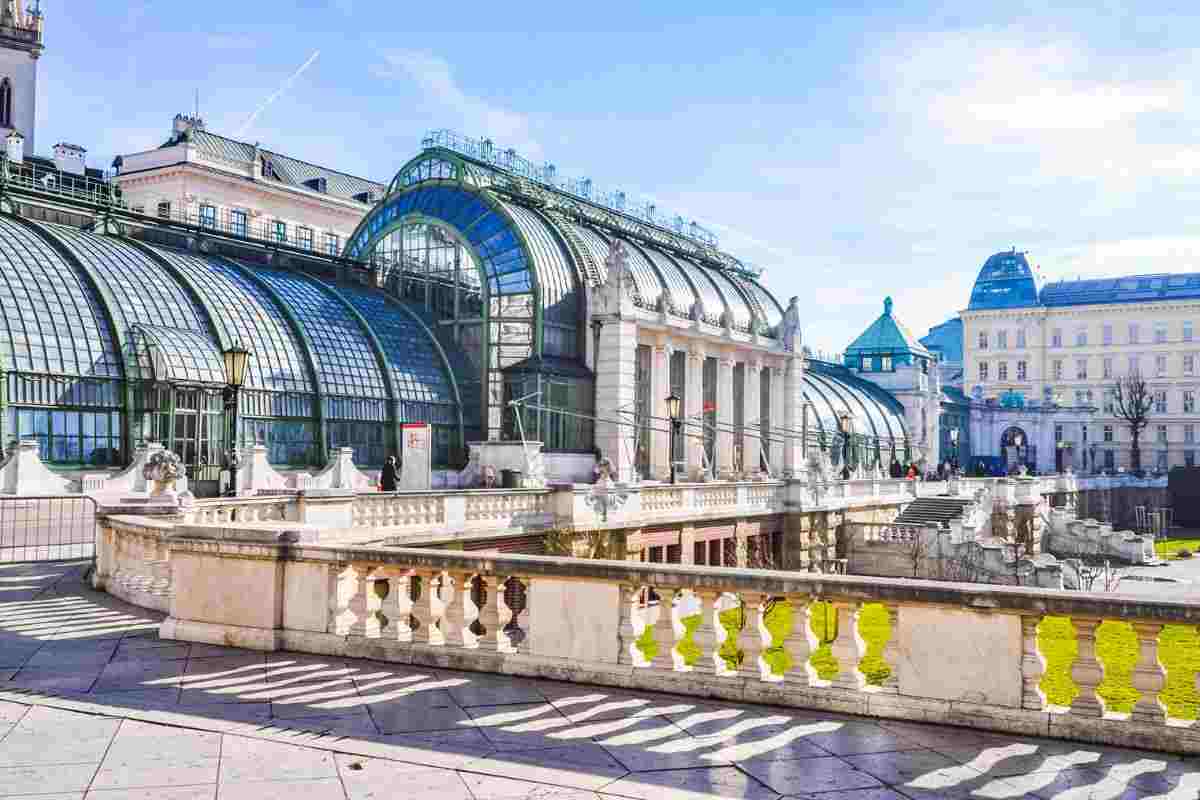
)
(157, 651)
(15, 654)
(578, 766)
(854, 738)
(400, 718)
(132, 772)
(63, 655)
(490, 692)
(320, 789)
(494, 787)
(451, 749)
(55, 680)
(244, 759)
(582, 705)
(780, 743)
(134, 674)
(1021, 758)
(212, 650)
(11, 713)
(811, 775)
(381, 779)
(156, 793)
(70, 740)
(144, 741)
(45, 778)
(919, 771)
(853, 794)
(719, 783)
(134, 698)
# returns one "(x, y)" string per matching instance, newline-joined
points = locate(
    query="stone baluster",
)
(726, 639)
(441, 598)
(347, 590)
(626, 630)
(375, 591)
(1149, 677)
(891, 650)
(512, 602)
(414, 607)
(1087, 671)
(756, 637)
(487, 618)
(800, 642)
(705, 636)
(848, 648)
(459, 611)
(1033, 665)
(664, 630)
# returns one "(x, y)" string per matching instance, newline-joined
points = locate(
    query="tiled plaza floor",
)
(93, 704)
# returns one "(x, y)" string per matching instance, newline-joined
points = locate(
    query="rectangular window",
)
(1058, 433)
(739, 416)
(1189, 364)
(237, 222)
(983, 371)
(1160, 365)
(1162, 433)
(280, 231)
(1081, 337)
(1189, 458)
(1187, 331)
(708, 394)
(1020, 337)
(1133, 333)
(1160, 401)
(1083, 432)
(1135, 365)
(1110, 401)
(1108, 334)
(983, 340)
(1080, 397)
(642, 406)
(1160, 333)
(1189, 401)
(164, 209)
(1056, 338)
(1110, 460)
(764, 416)
(332, 245)
(208, 216)
(886, 363)
(1162, 461)
(1189, 433)
(1057, 369)
(1002, 371)
(1108, 433)
(1081, 369)
(679, 388)
(1002, 340)
(1107, 367)
(1022, 371)
(305, 237)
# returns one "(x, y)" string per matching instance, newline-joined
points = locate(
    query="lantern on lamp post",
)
(236, 359)
(846, 427)
(954, 447)
(676, 424)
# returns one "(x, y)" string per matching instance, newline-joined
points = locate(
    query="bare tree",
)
(1132, 404)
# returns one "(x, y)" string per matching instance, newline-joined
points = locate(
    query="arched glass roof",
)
(419, 374)
(714, 304)
(678, 286)
(177, 355)
(1005, 281)
(345, 358)
(250, 316)
(53, 321)
(734, 301)
(556, 275)
(764, 303)
(142, 290)
(834, 389)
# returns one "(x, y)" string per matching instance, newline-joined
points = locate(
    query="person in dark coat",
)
(387, 478)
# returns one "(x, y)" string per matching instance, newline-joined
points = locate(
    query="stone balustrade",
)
(963, 654)
(243, 510)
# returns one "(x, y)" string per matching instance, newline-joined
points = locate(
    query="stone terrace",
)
(93, 704)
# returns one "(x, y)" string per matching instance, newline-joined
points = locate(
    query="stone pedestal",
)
(616, 390)
(23, 472)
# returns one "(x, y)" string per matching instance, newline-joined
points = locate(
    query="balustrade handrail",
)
(994, 598)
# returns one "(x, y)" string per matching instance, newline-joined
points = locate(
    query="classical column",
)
(778, 421)
(750, 417)
(725, 416)
(793, 411)
(693, 405)
(660, 435)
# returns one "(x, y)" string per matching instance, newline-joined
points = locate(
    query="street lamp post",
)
(676, 424)
(1092, 448)
(236, 359)
(845, 427)
(954, 446)
(1019, 442)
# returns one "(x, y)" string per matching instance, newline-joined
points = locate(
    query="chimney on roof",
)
(70, 158)
(183, 124)
(14, 146)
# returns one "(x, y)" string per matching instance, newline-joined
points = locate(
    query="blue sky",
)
(853, 150)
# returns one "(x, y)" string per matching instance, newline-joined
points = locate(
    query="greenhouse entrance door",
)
(189, 422)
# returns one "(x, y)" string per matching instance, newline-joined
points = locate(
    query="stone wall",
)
(1116, 505)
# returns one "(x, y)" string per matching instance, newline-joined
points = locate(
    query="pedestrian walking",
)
(387, 478)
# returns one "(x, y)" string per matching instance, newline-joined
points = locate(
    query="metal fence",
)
(47, 528)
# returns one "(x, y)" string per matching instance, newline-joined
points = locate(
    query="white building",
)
(20, 47)
(205, 179)
(1050, 360)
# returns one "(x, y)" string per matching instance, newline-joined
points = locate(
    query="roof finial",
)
(887, 306)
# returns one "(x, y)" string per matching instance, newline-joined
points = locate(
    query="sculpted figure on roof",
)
(616, 263)
(789, 328)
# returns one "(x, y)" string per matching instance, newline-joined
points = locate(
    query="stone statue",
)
(163, 469)
(789, 329)
(616, 263)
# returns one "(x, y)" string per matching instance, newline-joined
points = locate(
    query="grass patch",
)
(1167, 548)
(1116, 645)
(687, 648)
(778, 620)
(646, 644)
(823, 621)
(732, 620)
(873, 627)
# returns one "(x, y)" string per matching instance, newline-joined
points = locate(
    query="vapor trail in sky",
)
(283, 87)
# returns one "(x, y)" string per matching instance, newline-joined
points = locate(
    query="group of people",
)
(912, 472)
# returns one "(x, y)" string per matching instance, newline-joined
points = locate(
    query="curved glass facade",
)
(105, 342)
(879, 431)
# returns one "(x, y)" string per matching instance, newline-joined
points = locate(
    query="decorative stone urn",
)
(162, 471)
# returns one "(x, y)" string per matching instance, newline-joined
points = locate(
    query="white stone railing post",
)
(1087, 671)
(1149, 676)
(1033, 664)
(848, 648)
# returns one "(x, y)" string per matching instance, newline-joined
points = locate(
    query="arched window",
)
(5, 103)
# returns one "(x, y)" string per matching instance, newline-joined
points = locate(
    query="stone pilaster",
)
(660, 435)
(725, 416)
(751, 438)
(778, 420)
(616, 391)
(693, 405)
(793, 410)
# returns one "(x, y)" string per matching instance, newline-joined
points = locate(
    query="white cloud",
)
(474, 116)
